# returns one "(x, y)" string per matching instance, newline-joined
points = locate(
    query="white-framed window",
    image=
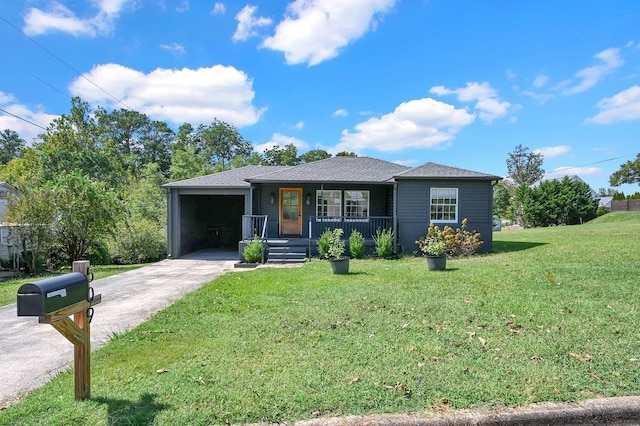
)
(328, 204)
(443, 205)
(356, 204)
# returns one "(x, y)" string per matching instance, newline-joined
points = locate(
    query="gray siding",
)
(475, 200)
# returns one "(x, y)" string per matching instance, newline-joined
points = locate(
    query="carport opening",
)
(210, 222)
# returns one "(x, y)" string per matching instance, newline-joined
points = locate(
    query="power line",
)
(64, 62)
(23, 119)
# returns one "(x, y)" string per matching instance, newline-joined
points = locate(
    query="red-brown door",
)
(291, 211)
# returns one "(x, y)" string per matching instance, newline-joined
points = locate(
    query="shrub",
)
(253, 251)
(143, 241)
(98, 253)
(356, 244)
(323, 244)
(336, 244)
(384, 243)
(460, 242)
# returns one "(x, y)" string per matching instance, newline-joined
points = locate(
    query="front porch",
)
(281, 248)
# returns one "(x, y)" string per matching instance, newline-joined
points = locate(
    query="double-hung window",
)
(328, 204)
(443, 205)
(356, 204)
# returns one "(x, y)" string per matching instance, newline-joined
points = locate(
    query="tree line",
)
(528, 200)
(91, 184)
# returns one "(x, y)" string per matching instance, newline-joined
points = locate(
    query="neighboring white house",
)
(10, 246)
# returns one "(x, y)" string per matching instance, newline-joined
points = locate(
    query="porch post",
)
(395, 217)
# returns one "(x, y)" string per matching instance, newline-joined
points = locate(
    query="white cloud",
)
(174, 47)
(299, 125)
(248, 23)
(177, 96)
(588, 77)
(552, 151)
(218, 9)
(510, 74)
(538, 97)
(624, 106)
(183, 7)
(563, 171)
(60, 18)
(340, 112)
(314, 31)
(281, 140)
(27, 131)
(540, 80)
(419, 123)
(488, 104)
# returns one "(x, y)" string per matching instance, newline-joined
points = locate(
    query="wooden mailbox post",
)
(77, 331)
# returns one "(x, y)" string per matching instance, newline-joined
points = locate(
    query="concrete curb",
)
(605, 411)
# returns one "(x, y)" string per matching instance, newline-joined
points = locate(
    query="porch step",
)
(286, 254)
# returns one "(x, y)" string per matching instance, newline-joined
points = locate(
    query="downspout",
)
(169, 224)
(395, 216)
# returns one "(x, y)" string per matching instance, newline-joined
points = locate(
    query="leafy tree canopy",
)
(629, 173)
(314, 155)
(11, 145)
(524, 167)
(276, 156)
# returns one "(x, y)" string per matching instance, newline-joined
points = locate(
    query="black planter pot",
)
(437, 263)
(340, 266)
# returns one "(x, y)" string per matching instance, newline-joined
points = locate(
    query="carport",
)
(205, 213)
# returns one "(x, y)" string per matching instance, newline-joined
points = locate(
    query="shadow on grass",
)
(126, 412)
(507, 246)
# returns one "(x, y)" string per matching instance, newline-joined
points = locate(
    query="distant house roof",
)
(605, 202)
(234, 178)
(438, 171)
(576, 178)
(336, 170)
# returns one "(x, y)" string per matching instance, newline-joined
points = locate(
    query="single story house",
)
(295, 204)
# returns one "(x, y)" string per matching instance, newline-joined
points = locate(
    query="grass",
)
(9, 288)
(550, 316)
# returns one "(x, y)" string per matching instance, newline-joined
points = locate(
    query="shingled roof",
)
(438, 171)
(337, 170)
(234, 178)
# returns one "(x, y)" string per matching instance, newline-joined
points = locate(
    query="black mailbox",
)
(47, 296)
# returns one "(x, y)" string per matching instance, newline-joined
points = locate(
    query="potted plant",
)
(335, 248)
(434, 247)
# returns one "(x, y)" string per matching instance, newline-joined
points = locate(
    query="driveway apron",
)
(32, 353)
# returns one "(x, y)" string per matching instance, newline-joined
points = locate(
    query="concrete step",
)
(286, 254)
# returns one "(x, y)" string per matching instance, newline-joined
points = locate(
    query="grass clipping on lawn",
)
(552, 315)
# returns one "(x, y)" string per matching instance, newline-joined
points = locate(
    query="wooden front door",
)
(291, 211)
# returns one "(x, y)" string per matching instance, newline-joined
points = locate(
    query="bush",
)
(384, 243)
(143, 241)
(253, 251)
(98, 253)
(356, 244)
(323, 244)
(460, 242)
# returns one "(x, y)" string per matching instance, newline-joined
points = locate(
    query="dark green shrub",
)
(142, 241)
(98, 253)
(356, 244)
(323, 244)
(384, 243)
(253, 251)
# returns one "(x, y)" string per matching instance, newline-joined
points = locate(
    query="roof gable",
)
(439, 171)
(336, 169)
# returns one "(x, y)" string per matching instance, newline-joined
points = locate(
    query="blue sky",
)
(455, 82)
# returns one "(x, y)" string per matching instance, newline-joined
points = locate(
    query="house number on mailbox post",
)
(55, 299)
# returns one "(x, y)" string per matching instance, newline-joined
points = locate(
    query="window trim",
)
(457, 205)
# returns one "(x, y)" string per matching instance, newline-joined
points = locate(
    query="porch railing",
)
(253, 225)
(367, 226)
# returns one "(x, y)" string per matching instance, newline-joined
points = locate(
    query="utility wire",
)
(23, 119)
(64, 62)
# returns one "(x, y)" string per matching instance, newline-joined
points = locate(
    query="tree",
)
(276, 156)
(220, 142)
(559, 202)
(33, 214)
(503, 194)
(187, 164)
(346, 154)
(314, 155)
(85, 212)
(629, 172)
(606, 192)
(11, 145)
(524, 167)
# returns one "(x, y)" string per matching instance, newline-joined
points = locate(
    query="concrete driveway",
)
(32, 353)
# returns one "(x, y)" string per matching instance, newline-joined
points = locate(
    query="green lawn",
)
(9, 289)
(552, 315)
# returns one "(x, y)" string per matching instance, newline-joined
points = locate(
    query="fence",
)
(625, 205)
